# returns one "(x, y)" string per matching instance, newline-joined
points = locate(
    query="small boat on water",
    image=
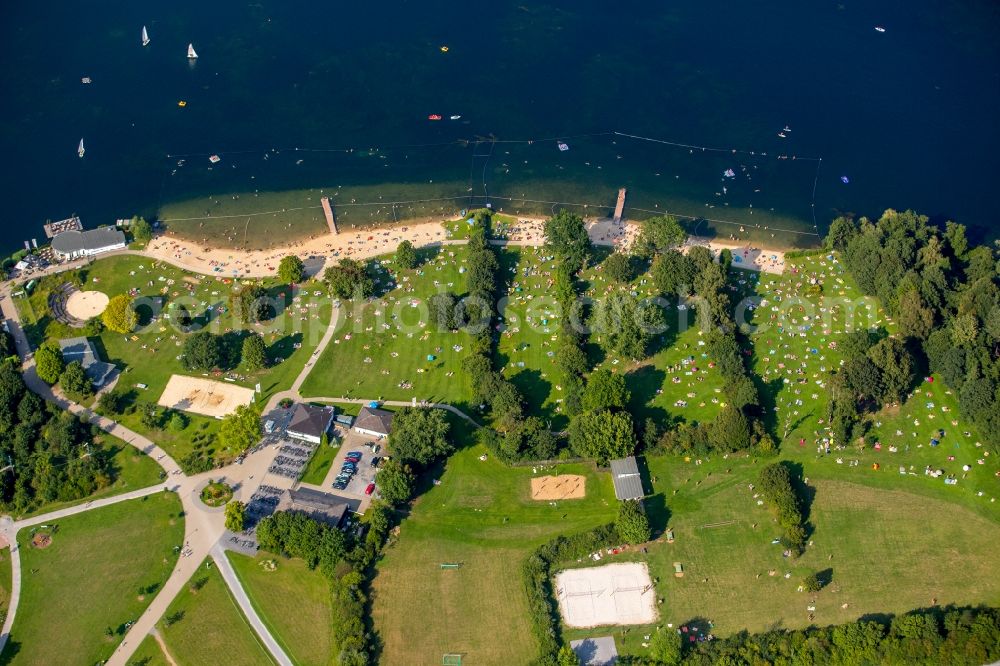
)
(192, 54)
(455, 117)
(845, 180)
(214, 159)
(729, 173)
(80, 149)
(787, 129)
(86, 80)
(145, 36)
(434, 116)
(782, 135)
(562, 146)
(879, 28)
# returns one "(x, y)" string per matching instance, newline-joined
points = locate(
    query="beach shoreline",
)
(382, 240)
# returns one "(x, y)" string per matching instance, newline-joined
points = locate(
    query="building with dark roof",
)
(309, 423)
(374, 422)
(82, 350)
(318, 505)
(74, 244)
(625, 475)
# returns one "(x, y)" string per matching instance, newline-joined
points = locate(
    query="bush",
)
(49, 363)
(75, 382)
(291, 270)
(120, 316)
(632, 524)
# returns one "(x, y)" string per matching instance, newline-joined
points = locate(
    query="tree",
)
(915, 320)
(251, 304)
(236, 514)
(419, 435)
(730, 431)
(442, 311)
(291, 270)
(406, 256)
(75, 382)
(602, 435)
(895, 365)
(673, 273)
(112, 402)
(141, 230)
(49, 363)
(120, 316)
(605, 390)
(632, 523)
(842, 230)
(241, 429)
(202, 351)
(626, 326)
(658, 235)
(178, 421)
(349, 279)
(567, 657)
(253, 353)
(618, 267)
(566, 237)
(395, 482)
(812, 583)
(666, 647)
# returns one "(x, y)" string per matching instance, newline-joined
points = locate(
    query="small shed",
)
(625, 475)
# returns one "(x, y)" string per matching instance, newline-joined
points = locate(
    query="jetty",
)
(331, 221)
(620, 206)
(69, 224)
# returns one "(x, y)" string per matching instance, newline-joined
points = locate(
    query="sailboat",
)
(191, 52)
(80, 150)
(145, 36)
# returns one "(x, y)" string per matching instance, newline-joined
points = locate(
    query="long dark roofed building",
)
(625, 475)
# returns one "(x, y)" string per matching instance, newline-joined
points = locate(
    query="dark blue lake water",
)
(907, 115)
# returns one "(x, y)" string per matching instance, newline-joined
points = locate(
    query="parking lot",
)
(365, 475)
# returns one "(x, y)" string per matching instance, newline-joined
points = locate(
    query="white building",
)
(309, 423)
(374, 422)
(75, 244)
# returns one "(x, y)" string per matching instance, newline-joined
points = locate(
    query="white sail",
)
(145, 36)
(80, 151)
(191, 52)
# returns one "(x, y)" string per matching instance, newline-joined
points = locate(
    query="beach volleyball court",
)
(84, 305)
(204, 396)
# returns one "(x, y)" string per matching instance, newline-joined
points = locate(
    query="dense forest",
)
(52, 455)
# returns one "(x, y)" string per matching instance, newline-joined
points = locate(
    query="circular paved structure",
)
(84, 305)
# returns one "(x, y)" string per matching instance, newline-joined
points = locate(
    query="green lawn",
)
(319, 464)
(482, 516)
(88, 579)
(208, 627)
(884, 551)
(294, 603)
(134, 470)
(381, 349)
(151, 355)
(149, 654)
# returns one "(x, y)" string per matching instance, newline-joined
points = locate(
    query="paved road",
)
(229, 575)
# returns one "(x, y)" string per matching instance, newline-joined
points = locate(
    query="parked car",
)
(376, 448)
(375, 461)
(351, 464)
(339, 485)
(352, 454)
(269, 426)
(370, 489)
(354, 459)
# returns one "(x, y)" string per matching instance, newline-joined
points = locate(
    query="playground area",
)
(204, 396)
(564, 486)
(615, 594)
(84, 305)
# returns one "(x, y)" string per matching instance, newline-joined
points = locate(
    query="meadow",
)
(480, 516)
(101, 570)
(204, 625)
(388, 348)
(293, 601)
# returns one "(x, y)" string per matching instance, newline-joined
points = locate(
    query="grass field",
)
(88, 580)
(134, 470)
(381, 349)
(481, 516)
(319, 464)
(294, 603)
(883, 551)
(152, 354)
(208, 626)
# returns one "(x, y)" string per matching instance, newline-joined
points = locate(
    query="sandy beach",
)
(366, 244)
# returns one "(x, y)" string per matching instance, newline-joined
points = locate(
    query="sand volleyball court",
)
(84, 305)
(204, 396)
(564, 486)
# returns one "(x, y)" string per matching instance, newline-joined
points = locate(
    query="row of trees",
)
(955, 636)
(943, 295)
(205, 351)
(775, 484)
